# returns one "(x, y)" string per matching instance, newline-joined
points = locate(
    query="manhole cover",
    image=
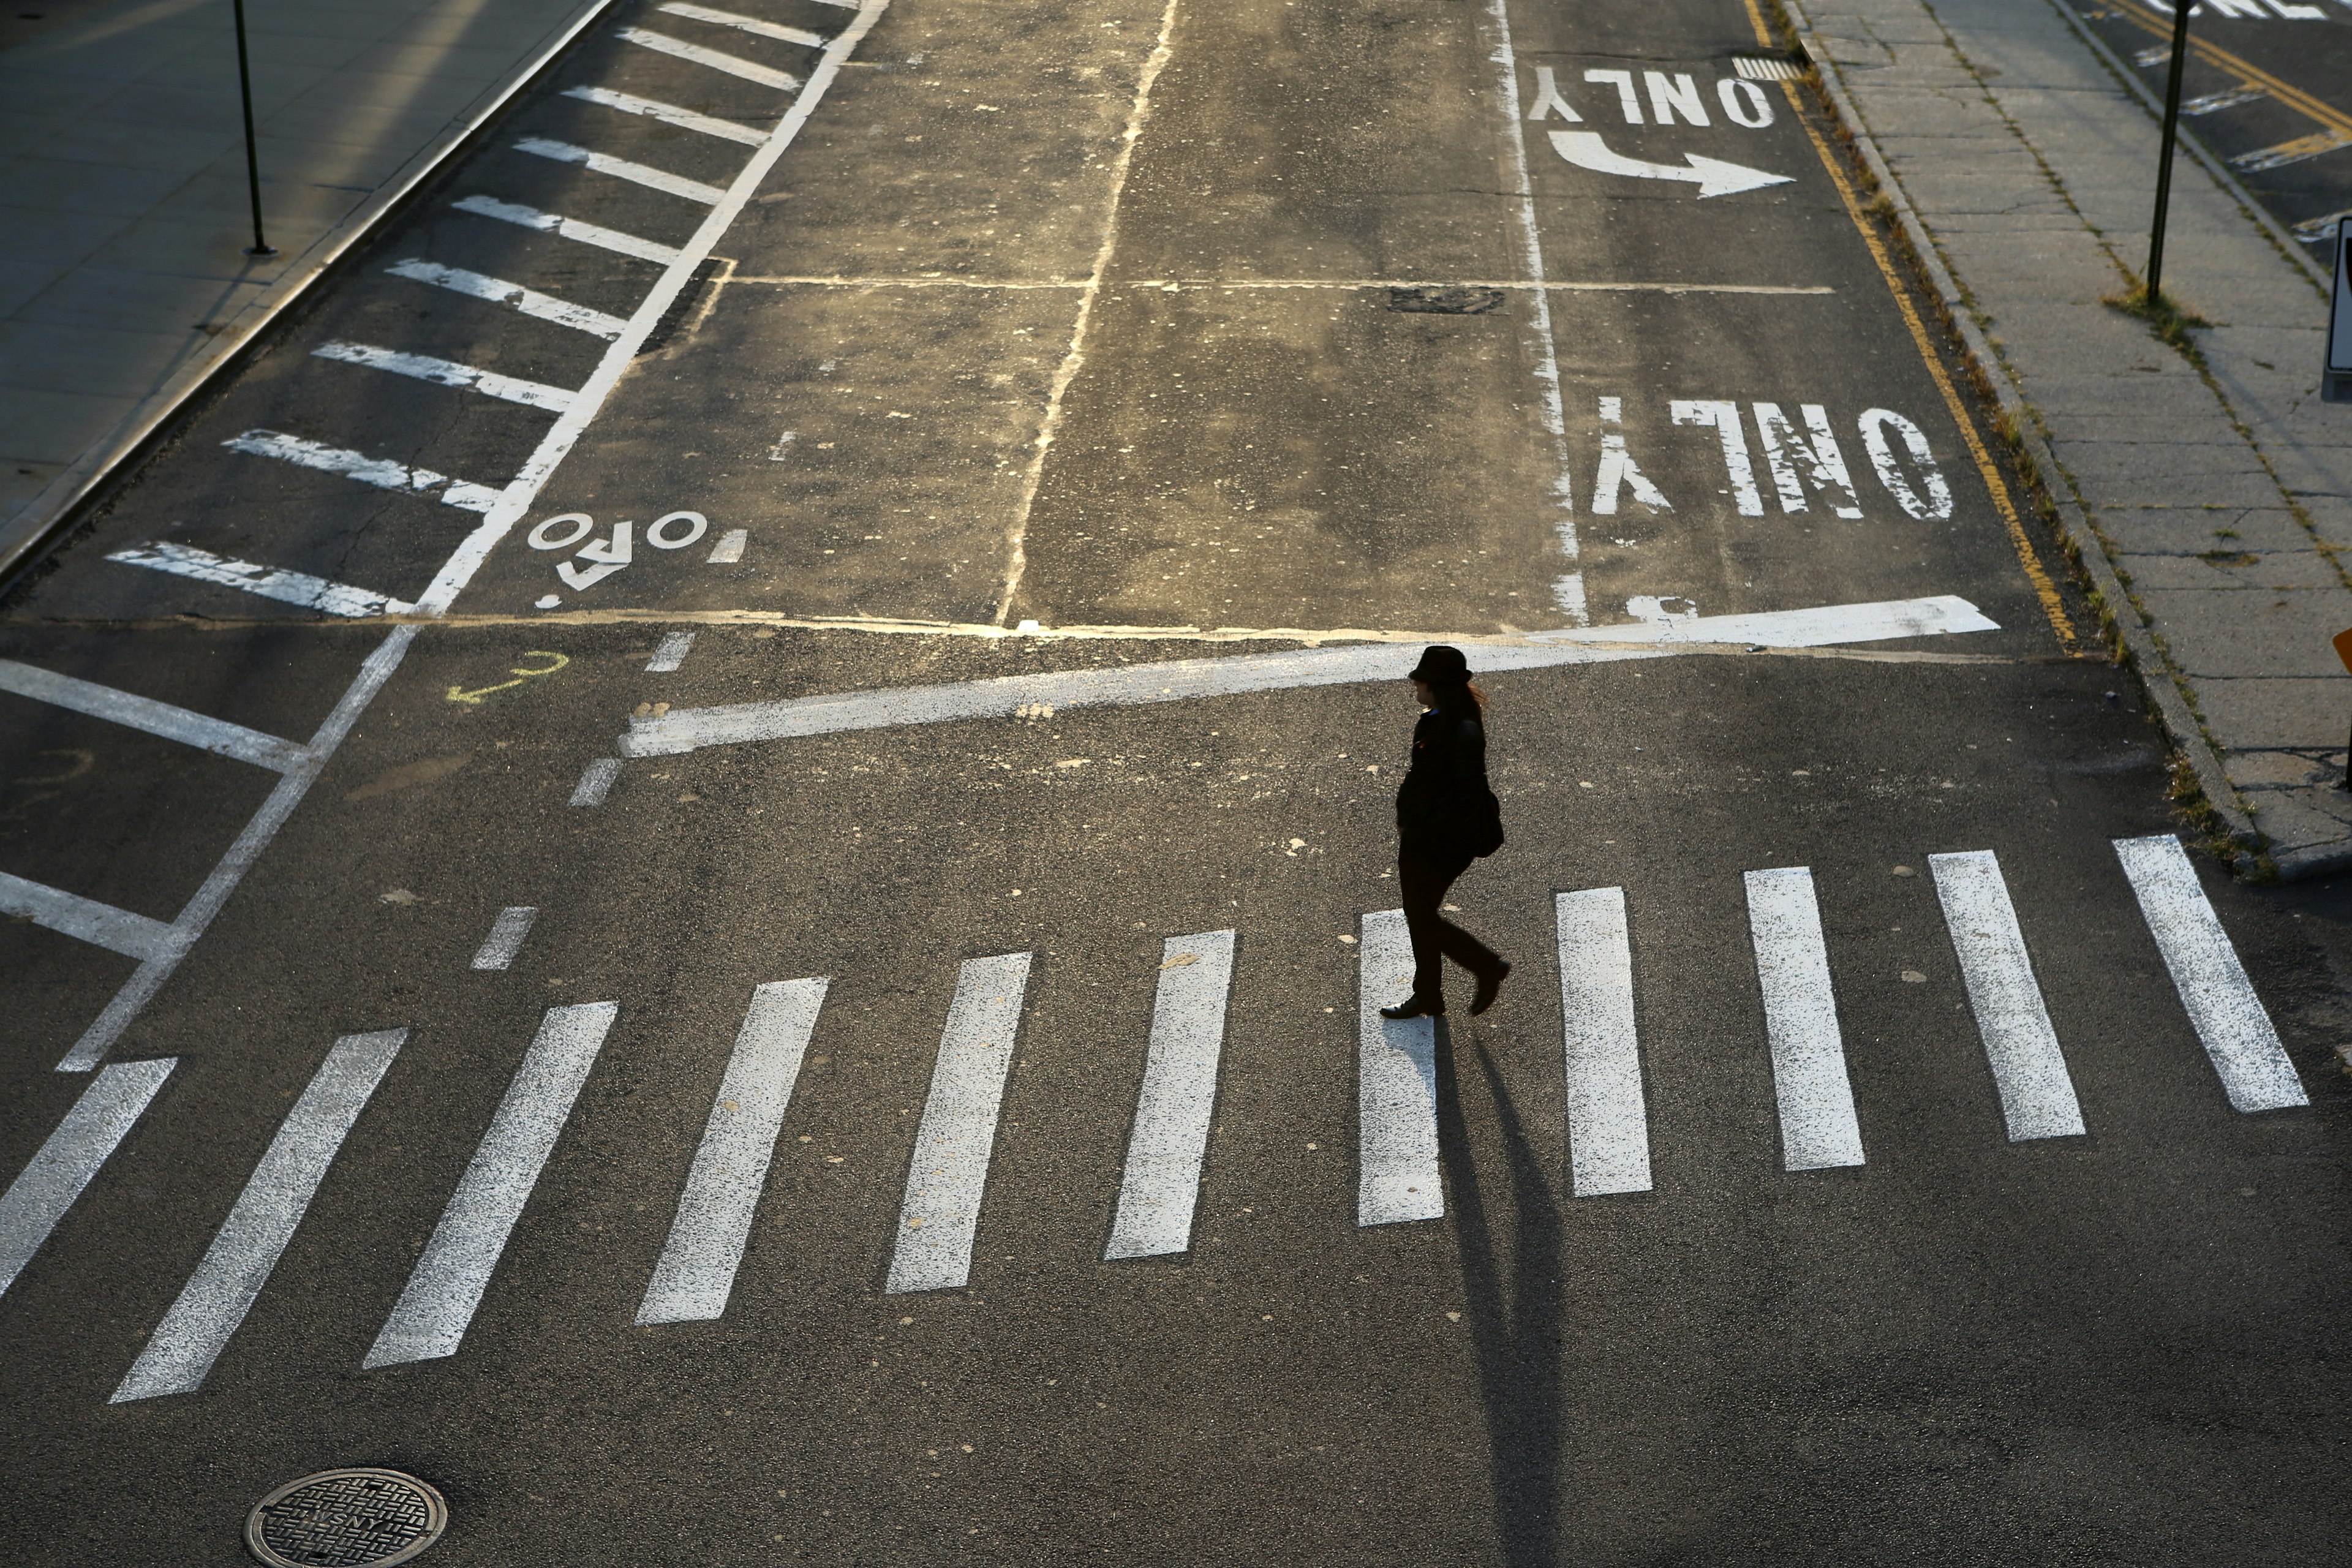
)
(346, 1519)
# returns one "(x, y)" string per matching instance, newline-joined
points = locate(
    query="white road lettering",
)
(1618, 471)
(1936, 503)
(1674, 95)
(1794, 459)
(1549, 100)
(1744, 103)
(1627, 99)
(1725, 419)
(1713, 176)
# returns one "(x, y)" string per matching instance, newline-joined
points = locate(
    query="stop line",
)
(1400, 1177)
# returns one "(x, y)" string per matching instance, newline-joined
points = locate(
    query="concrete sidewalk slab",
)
(124, 206)
(2210, 489)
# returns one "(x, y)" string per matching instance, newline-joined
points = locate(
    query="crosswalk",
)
(1398, 1170)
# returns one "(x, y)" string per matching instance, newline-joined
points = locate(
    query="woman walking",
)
(1447, 817)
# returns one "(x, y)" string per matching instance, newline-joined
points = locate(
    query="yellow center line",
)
(2043, 588)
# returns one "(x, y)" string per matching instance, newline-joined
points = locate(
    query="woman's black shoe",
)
(1417, 1007)
(1488, 984)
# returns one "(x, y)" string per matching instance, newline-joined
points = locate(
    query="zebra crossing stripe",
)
(2037, 1096)
(1818, 1127)
(1162, 1181)
(1608, 1124)
(48, 1187)
(182, 1351)
(948, 1171)
(697, 1271)
(448, 1283)
(1396, 1078)
(2229, 1017)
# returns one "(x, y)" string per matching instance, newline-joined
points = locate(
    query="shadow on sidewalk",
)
(1511, 1296)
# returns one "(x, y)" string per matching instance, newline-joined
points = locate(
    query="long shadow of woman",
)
(1513, 1306)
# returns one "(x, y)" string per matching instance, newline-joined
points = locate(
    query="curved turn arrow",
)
(1713, 177)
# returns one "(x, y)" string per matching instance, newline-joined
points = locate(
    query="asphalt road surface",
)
(709, 862)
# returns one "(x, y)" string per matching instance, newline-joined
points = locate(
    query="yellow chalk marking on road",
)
(474, 697)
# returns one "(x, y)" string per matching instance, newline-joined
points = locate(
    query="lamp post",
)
(2180, 9)
(260, 246)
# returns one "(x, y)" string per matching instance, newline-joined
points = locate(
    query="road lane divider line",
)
(1567, 589)
(1243, 285)
(507, 933)
(2220, 1001)
(557, 444)
(449, 372)
(670, 653)
(218, 736)
(498, 291)
(197, 913)
(622, 169)
(1608, 1121)
(668, 114)
(2029, 1069)
(58, 1171)
(1160, 1186)
(1397, 1177)
(697, 1271)
(689, 729)
(266, 582)
(449, 1282)
(383, 473)
(741, 22)
(734, 64)
(180, 1353)
(596, 782)
(1074, 357)
(1819, 1130)
(570, 228)
(946, 1176)
(84, 919)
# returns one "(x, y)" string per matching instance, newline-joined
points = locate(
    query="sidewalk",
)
(2210, 494)
(124, 207)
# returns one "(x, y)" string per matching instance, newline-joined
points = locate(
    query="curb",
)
(25, 537)
(2074, 525)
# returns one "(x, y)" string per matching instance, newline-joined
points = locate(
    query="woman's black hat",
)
(1441, 666)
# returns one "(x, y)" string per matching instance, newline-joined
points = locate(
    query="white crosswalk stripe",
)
(2037, 1095)
(776, 30)
(498, 290)
(678, 48)
(948, 1173)
(1162, 1181)
(668, 114)
(45, 1189)
(570, 228)
(1819, 1130)
(1396, 1084)
(622, 169)
(381, 472)
(1608, 1126)
(448, 372)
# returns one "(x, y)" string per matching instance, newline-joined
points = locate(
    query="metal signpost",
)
(2180, 9)
(260, 247)
(2336, 386)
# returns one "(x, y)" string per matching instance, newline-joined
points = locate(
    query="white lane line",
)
(2220, 1001)
(776, 30)
(268, 582)
(1567, 589)
(1396, 1086)
(1818, 1127)
(622, 169)
(678, 48)
(686, 729)
(381, 472)
(1608, 1122)
(197, 913)
(498, 290)
(214, 1303)
(697, 1271)
(46, 1188)
(459, 569)
(596, 782)
(571, 228)
(671, 654)
(668, 114)
(215, 736)
(449, 1280)
(84, 919)
(1162, 1181)
(730, 548)
(2037, 1095)
(449, 372)
(506, 939)
(948, 1173)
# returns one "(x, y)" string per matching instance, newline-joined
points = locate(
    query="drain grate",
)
(1768, 67)
(1442, 300)
(346, 1519)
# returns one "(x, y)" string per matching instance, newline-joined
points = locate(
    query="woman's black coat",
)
(1444, 807)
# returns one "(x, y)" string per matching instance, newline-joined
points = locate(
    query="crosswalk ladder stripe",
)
(448, 1284)
(1396, 1084)
(776, 30)
(622, 169)
(86, 919)
(697, 1271)
(668, 114)
(180, 1352)
(190, 729)
(2229, 1017)
(56, 1176)
(570, 228)
(267, 581)
(948, 1171)
(1161, 1184)
(498, 291)
(2029, 1069)
(1819, 1130)
(1608, 1123)
(678, 48)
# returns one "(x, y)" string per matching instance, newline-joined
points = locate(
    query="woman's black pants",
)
(1423, 876)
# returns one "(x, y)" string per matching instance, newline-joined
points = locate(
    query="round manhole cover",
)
(346, 1519)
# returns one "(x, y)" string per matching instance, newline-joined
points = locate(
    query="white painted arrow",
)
(1713, 176)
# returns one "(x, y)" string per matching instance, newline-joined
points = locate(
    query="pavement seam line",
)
(1049, 425)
